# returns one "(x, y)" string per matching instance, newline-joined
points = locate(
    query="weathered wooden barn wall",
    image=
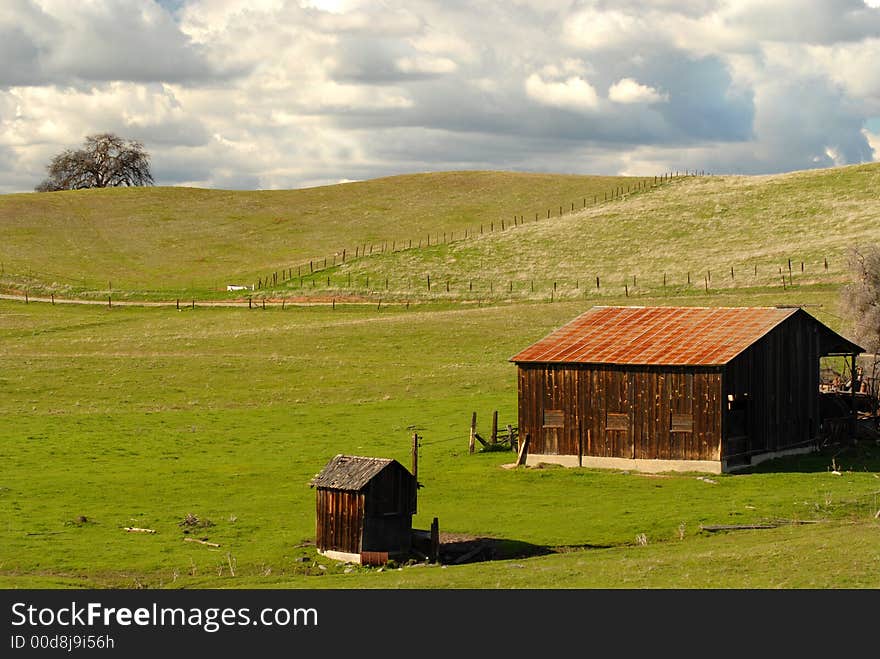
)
(775, 389)
(642, 412)
(377, 517)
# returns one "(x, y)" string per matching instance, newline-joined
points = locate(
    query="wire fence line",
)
(366, 249)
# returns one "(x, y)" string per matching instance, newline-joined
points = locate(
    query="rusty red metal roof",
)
(668, 336)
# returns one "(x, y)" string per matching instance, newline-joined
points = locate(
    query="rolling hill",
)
(452, 235)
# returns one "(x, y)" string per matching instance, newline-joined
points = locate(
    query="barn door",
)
(553, 423)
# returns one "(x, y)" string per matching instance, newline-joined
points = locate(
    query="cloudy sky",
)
(251, 94)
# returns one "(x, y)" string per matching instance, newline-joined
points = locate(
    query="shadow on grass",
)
(458, 550)
(863, 455)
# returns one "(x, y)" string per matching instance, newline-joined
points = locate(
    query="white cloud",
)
(873, 138)
(425, 64)
(627, 90)
(595, 29)
(573, 93)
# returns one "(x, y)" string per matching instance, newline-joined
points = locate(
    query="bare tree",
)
(860, 300)
(106, 160)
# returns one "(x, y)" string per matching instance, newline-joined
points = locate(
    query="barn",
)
(364, 509)
(675, 388)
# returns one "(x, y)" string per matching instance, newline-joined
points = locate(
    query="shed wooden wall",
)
(655, 404)
(390, 504)
(377, 518)
(780, 374)
(339, 520)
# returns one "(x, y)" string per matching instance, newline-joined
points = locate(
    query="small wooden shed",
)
(364, 509)
(675, 388)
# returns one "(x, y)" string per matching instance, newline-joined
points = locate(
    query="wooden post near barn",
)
(473, 436)
(415, 469)
(434, 554)
(494, 438)
(510, 437)
(523, 451)
(580, 444)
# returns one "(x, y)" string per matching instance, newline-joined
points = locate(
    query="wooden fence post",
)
(495, 427)
(434, 554)
(472, 441)
(510, 437)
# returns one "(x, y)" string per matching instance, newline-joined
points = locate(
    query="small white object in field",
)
(233, 287)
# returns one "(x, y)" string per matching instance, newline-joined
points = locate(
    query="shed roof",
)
(667, 336)
(350, 472)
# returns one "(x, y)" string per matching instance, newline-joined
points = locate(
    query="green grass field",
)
(136, 416)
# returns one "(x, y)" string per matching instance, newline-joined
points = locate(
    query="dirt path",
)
(182, 304)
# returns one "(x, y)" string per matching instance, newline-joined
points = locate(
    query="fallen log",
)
(134, 529)
(736, 527)
(201, 542)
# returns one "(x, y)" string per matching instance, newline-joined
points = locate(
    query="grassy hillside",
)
(715, 232)
(174, 239)
(475, 235)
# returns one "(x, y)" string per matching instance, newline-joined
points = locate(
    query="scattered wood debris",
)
(707, 480)
(134, 529)
(201, 542)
